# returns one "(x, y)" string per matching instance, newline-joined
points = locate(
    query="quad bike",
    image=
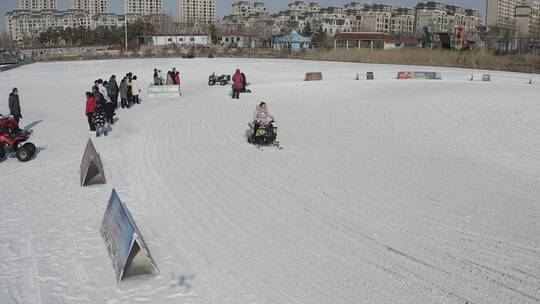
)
(12, 137)
(263, 135)
(222, 80)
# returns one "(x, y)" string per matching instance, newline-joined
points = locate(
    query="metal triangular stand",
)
(91, 166)
(127, 249)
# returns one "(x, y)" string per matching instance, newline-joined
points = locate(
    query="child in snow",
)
(261, 117)
(99, 119)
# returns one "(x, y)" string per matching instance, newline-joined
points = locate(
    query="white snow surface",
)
(387, 191)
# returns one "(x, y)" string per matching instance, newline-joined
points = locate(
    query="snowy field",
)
(386, 191)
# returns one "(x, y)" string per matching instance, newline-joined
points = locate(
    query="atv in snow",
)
(263, 135)
(222, 80)
(12, 137)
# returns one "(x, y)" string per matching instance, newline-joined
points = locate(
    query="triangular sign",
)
(91, 166)
(127, 249)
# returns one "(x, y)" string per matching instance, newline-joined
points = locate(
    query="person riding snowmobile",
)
(263, 130)
(262, 116)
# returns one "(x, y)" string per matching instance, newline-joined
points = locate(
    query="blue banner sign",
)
(121, 235)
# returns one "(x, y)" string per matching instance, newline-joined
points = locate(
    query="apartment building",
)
(242, 8)
(455, 16)
(26, 24)
(197, 11)
(246, 9)
(332, 12)
(521, 17)
(501, 12)
(354, 7)
(298, 6)
(94, 7)
(472, 19)
(355, 16)
(21, 24)
(376, 18)
(260, 8)
(314, 7)
(433, 15)
(402, 21)
(527, 20)
(144, 7)
(37, 5)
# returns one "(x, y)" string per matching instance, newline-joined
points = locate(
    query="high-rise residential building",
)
(501, 12)
(198, 11)
(37, 5)
(528, 20)
(94, 7)
(145, 7)
(21, 24)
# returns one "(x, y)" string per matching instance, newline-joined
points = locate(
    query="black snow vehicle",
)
(222, 80)
(263, 135)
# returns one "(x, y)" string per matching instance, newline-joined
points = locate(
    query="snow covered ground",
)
(387, 191)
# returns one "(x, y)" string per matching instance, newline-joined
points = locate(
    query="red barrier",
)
(313, 76)
(404, 75)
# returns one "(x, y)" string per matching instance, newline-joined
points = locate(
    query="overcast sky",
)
(224, 6)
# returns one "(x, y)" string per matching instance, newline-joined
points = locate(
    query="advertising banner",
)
(122, 237)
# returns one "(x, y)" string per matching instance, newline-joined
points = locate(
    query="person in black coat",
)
(14, 105)
(129, 87)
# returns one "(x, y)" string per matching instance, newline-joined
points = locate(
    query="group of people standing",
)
(173, 77)
(102, 101)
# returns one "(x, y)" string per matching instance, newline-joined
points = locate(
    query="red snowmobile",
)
(12, 137)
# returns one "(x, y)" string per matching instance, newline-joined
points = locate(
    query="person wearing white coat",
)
(135, 89)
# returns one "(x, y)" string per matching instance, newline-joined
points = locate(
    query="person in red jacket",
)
(90, 106)
(238, 84)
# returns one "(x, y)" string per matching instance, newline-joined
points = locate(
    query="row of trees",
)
(80, 36)
(318, 36)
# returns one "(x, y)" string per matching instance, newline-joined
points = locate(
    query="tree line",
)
(82, 36)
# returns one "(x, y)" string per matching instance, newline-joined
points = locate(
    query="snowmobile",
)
(222, 80)
(263, 135)
(11, 137)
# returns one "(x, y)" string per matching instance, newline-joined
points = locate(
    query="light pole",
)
(125, 24)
